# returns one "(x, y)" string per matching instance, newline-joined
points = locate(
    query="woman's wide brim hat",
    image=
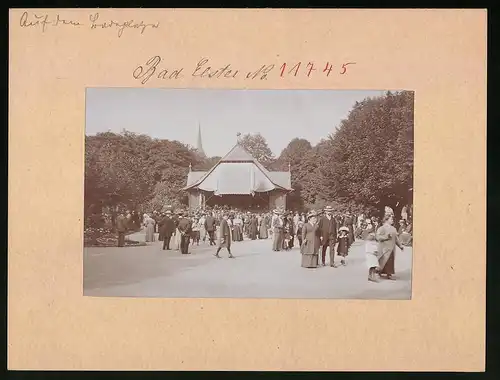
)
(328, 208)
(344, 229)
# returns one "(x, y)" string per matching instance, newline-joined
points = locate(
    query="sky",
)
(174, 114)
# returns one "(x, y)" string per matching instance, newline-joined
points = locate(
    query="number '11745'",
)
(294, 70)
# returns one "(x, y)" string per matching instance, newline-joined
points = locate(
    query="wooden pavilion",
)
(238, 180)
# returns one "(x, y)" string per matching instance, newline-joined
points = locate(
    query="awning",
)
(236, 178)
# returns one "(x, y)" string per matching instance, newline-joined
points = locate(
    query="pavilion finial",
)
(289, 166)
(238, 135)
(190, 166)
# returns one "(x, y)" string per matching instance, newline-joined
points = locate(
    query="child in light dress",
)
(371, 251)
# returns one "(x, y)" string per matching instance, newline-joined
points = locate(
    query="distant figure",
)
(224, 237)
(298, 227)
(310, 242)
(387, 236)
(349, 223)
(372, 257)
(404, 236)
(149, 223)
(328, 232)
(203, 231)
(167, 228)
(121, 228)
(195, 230)
(263, 227)
(210, 225)
(237, 228)
(404, 213)
(252, 228)
(185, 229)
(177, 233)
(277, 225)
(343, 244)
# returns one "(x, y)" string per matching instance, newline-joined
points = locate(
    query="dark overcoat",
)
(328, 229)
(224, 235)
(167, 226)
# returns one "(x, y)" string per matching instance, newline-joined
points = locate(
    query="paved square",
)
(256, 272)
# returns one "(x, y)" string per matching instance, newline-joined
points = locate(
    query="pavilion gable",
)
(238, 172)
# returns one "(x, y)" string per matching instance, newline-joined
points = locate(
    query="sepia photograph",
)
(238, 193)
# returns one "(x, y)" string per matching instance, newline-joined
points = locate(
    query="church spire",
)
(199, 145)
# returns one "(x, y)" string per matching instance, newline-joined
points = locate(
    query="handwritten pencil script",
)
(94, 22)
(154, 68)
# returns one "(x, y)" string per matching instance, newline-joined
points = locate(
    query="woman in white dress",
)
(149, 224)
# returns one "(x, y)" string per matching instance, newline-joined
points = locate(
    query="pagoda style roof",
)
(238, 172)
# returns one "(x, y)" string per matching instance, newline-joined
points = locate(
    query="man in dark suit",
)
(185, 227)
(328, 233)
(210, 227)
(167, 228)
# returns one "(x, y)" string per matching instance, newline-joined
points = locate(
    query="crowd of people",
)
(315, 232)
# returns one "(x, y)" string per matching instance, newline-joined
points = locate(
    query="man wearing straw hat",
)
(328, 233)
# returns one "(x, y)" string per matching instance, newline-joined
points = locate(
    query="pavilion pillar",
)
(194, 198)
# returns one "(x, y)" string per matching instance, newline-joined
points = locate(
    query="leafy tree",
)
(370, 159)
(208, 163)
(134, 170)
(292, 158)
(308, 175)
(293, 154)
(257, 146)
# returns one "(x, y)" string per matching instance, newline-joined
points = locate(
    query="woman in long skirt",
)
(203, 231)
(237, 232)
(387, 236)
(263, 227)
(310, 242)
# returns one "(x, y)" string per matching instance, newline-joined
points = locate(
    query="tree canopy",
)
(131, 169)
(369, 160)
(257, 146)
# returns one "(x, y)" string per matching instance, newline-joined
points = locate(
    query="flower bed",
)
(103, 237)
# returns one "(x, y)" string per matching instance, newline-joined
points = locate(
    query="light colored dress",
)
(203, 231)
(387, 236)
(149, 223)
(263, 228)
(372, 255)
